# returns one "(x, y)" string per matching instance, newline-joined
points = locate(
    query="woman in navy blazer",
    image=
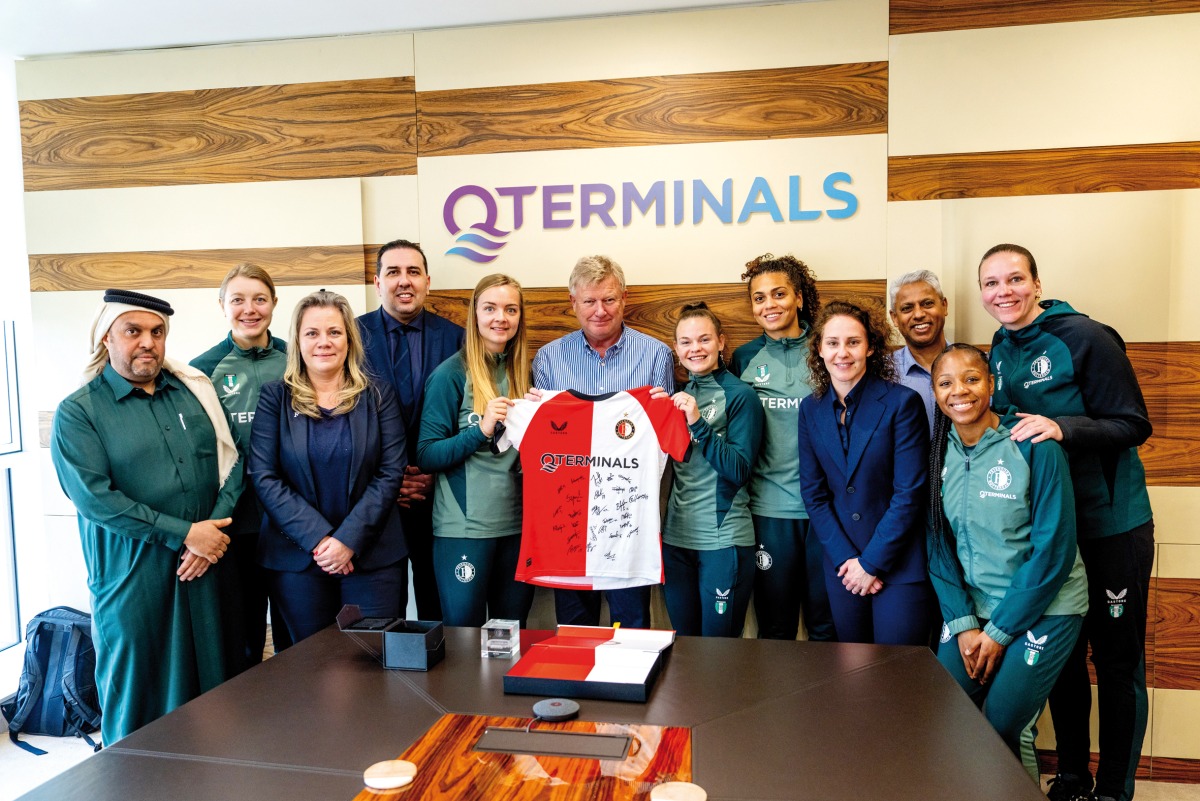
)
(326, 458)
(863, 442)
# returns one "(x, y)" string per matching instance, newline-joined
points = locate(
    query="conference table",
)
(768, 720)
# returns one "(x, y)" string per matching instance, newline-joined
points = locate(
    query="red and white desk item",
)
(612, 664)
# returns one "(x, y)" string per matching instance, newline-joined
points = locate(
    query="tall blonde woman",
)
(326, 458)
(238, 366)
(477, 505)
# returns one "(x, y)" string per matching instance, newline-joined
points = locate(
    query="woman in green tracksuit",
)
(238, 366)
(1072, 375)
(708, 538)
(790, 577)
(477, 505)
(1002, 552)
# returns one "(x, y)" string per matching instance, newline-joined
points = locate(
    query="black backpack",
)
(57, 694)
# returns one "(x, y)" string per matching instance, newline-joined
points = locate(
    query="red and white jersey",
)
(592, 469)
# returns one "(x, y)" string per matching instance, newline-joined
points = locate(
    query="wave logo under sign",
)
(472, 245)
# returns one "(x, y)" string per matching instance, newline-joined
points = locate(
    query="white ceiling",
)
(54, 27)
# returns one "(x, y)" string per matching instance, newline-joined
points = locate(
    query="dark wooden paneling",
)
(650, 308)
(338, 129)
(1048, 763)
(1070, 170)
(181, 269)
(831, 100)
(1184, 771)
(919, 16)
(1177, 634)
(1169, 374)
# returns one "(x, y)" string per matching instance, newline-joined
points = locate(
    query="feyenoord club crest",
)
(1116, 602)
(625, 428)
(763, 559)
(1034, 647)
(710, 412)
(998, 478)
(464, 571)
(722, 601)
(1041, 366)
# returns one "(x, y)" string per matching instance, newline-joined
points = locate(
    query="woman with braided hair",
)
(1002, 552)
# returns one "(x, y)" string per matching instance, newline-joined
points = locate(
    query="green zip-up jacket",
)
(1011, 508)
(478, 493)
(710, 503)
(238, 374)
(778, 372)
(1068, 367)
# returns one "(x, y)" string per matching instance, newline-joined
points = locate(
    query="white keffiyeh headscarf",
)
(117, 302)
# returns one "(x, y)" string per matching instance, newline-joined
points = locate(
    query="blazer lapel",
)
(828, 431)
(298, 428)
(358, 439)
(866, 420)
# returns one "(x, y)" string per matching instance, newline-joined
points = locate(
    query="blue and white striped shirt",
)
(634, 360)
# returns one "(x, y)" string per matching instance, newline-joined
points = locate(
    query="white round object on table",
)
(389, 775)
(678, 791)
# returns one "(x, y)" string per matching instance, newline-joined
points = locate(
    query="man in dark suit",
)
(404, 343)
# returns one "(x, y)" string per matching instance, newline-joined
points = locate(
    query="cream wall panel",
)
(54, 500)
(1176, 510)
(249, 215)
(1109, 255)
(180, 69)
(1108, 82)
(68, 579)
(852, 248)
(64, 319)
(1185, 268)
(914, 242)
(764, 37)
(1178, 561)
(390, 209)
(1176, 729)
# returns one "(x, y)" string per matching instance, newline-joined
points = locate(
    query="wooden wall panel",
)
(1177, 634)
(1124, 168)
(182, 269)
(1166, 769)
(650, 308)
(1048, 763)
(831, 100)
(1169, 374)
(920, 16)
(336, 129)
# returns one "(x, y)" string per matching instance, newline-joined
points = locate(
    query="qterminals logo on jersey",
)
(683, 202)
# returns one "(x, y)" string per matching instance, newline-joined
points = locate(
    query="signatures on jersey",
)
(597, 517)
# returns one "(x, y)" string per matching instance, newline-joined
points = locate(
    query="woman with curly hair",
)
(789, 578)
(863, 440)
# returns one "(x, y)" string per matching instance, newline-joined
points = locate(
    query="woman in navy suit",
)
(863, 444)
(326, 458)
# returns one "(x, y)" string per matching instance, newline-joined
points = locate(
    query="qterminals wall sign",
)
(533, 215)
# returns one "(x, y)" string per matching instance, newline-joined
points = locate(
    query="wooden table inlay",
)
(449, 768)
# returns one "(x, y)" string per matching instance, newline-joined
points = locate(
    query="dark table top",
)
(769, 720)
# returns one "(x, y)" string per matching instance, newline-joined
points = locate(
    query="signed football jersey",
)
(592, 468)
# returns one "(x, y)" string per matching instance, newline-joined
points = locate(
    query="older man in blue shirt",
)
(919, 311)
(604, 356)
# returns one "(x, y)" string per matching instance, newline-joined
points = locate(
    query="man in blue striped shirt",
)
(603, 357)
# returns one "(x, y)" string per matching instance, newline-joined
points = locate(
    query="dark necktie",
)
(403, 372)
